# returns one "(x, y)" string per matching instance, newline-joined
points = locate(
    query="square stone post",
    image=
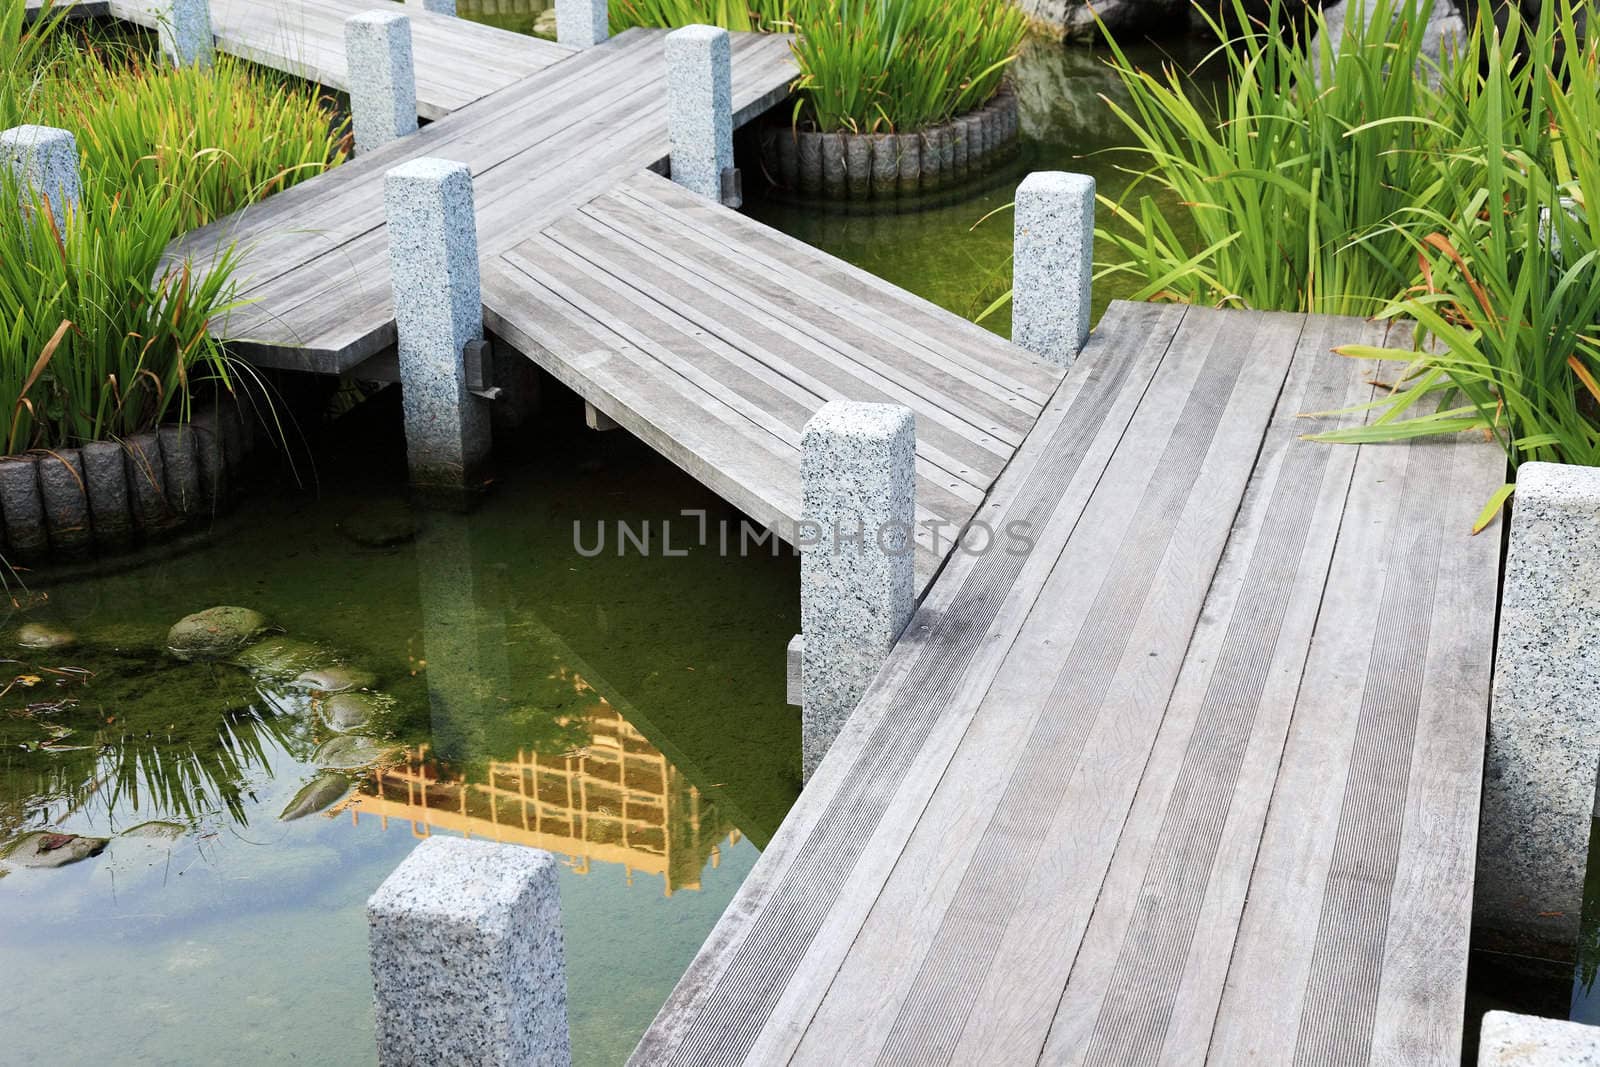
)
(700, 107)
(1507, 1039)
(468, 960)
(43, 161)
(857, 543)
(1544, 723)
(183, 28)
(437, 7)
(582, 23)
(1053, 266)
(433, 264)
(383, 80)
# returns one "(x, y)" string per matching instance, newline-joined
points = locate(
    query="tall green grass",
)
(868, 65)
(101, 335)
(1290, 183)
(1506, 306)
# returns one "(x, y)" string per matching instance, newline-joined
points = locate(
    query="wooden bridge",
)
(1195, 779)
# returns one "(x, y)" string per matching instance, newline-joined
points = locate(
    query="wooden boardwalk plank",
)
(1237, 666)
(457, 61)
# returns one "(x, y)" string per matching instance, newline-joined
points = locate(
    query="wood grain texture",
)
(1196, 781)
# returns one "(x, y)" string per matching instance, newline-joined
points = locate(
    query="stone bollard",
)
(468, 961)
(433, 264)
(700, 107)
(582, 23)
(857, 577)
(1053, 264)
(436, 7)
(383, 80)
(1544, 722)
(43, 161)
(184, 30)
(1507, 1039)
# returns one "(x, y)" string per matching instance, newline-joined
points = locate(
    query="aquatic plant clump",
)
(869, 65)
(101, 335)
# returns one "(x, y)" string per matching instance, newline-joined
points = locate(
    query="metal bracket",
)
(478, 361)
(732, 188)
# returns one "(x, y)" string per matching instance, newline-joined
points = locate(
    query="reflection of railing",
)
(617, 800)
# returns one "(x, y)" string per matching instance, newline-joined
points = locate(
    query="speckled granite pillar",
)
(1544, 725)
(468, 962)
(1511, 1040)
(857, 586)
(44, 162)
(184, 29)
(437, 7)
(433, 261)
(582, 23)
(700, 107)
(383, 80)
(1053, 264)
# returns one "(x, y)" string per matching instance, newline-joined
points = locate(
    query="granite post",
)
(43, 161)
(1507, 1039)
(433, 263)
(184, 30)
(436, 7)
(700, 107)
(1544, 722)
(468, 960)
(857, 544)
(383, 80)
(582, 23)
(1053, 264)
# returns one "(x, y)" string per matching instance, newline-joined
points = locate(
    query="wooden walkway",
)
(714, 339)
(1195, 780)
(457, 61)
(316, 257)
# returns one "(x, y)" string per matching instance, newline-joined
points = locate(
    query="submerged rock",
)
(214, 633)
(280, 657)
(320, 794)
(43, 637)
(351, 752)
(42, 849)
(380, 524)
(156, 830)
(338, 678)
(350, 711)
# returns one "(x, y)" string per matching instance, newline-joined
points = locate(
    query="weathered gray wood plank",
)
(851, 822)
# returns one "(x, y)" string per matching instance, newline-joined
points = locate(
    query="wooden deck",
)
(1197, 779)
(457, 61)
(316, 257)
(714, 339)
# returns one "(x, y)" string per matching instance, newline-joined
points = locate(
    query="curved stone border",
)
(882, 166)
(67, 504)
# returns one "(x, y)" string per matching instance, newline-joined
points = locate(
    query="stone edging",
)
(104, 498)
(882, 166)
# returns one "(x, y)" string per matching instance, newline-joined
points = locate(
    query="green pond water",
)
(639, 700)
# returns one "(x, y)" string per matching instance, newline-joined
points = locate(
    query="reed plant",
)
(1289, 184)
(870, 65)
(102, 334)
(1503, 322)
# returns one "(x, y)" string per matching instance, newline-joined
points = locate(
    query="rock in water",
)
(280, 657)
(44, 849)
(320, 794)
(350, 753)
(42, 637)
(214, 633)
(335, 679)
(349, 711)
(380, 524)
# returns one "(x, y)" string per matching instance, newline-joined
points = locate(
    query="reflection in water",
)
(616, 800)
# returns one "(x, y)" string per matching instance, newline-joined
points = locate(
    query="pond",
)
(626, 713)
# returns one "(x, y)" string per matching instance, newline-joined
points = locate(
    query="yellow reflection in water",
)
(616, 800)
